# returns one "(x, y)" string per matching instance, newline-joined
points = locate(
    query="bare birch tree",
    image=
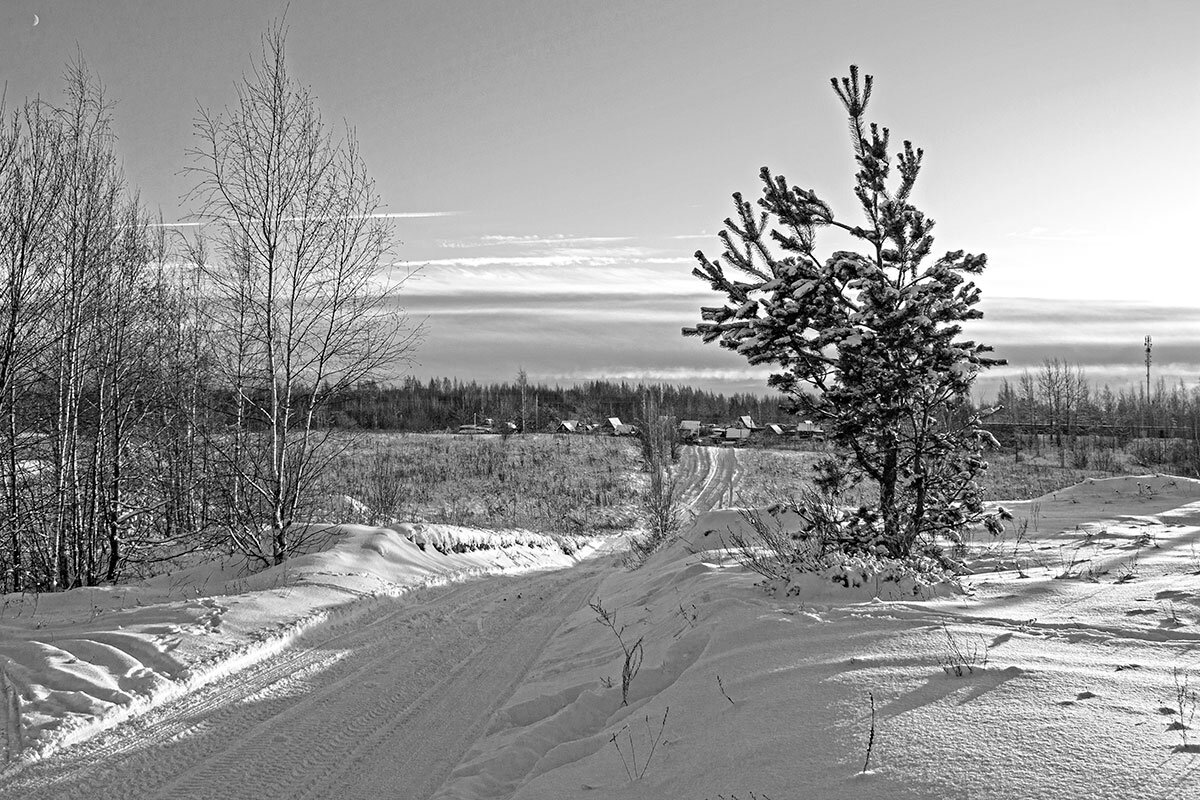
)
(32, 183)
(296, 242)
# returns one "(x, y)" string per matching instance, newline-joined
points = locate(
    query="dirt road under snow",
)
(705, 475)
(383, 704)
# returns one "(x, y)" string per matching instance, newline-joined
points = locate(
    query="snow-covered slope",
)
(1067, 670)
(79, 661)
(1055, 680)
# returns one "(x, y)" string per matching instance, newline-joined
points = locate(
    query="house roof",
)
(689, 425)
(614, 422)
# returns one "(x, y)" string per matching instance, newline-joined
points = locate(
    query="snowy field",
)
(1065, 669)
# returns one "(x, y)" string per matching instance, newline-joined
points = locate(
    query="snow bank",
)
(82, 660)
(1037, 684)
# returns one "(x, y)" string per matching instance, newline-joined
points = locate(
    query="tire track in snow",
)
(446, 721)
(215, 703)
(704, 476)
(403, 692)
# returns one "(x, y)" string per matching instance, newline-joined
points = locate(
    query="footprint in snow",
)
(1078, 697)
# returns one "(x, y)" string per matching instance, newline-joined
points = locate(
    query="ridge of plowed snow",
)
(84, 660)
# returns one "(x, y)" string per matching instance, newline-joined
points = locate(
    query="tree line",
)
(444, 403)
(1060, 401)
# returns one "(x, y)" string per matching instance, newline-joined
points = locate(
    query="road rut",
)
(384, 706)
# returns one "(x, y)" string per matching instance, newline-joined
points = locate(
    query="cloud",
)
(580, 273)
(645, 303)
(380, 215)
(1072, 322)
(582, 317)
(564, 258)
(555, 240)
(415, 214)
(666, 374)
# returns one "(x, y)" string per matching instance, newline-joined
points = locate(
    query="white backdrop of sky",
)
(553, 164)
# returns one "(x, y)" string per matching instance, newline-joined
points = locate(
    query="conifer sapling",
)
(875, 333)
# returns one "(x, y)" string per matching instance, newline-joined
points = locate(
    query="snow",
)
(1052, 675)
(87, 659)
(1067, 704)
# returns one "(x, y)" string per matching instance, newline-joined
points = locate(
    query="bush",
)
(661, 513)
(814, 548)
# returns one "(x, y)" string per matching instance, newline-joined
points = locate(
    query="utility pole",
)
(1149, 344)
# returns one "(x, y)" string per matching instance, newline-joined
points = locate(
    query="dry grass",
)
(769, 476)
(560, 484)
(1009, 479)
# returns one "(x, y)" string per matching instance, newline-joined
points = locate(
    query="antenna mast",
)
(1149, 344)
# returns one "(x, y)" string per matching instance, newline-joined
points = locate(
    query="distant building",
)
(778, 430)
(807, 430)
(737, 434)
(746, 423)
(568, 426)
(614, 426)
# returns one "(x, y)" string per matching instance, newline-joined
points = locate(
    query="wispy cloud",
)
(381, 215)
(416, 214)
(564, 274)
(561, 259)
(682, 374)
(553, 240)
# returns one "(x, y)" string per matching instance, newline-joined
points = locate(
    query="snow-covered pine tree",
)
(876, 334)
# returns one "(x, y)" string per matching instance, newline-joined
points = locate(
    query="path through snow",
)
(384, 699)
(382, 706)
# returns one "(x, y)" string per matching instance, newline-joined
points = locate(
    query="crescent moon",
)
(35, 20)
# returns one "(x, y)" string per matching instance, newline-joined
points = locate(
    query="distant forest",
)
(1059, 399)
(442, 403)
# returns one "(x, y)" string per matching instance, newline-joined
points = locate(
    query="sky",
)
(553, 164)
